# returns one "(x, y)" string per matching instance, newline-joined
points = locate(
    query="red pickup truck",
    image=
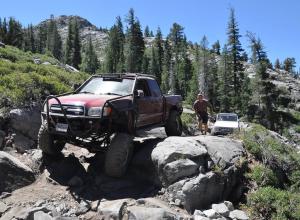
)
(104, 113)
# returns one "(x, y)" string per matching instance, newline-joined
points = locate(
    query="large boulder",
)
(13, 173)
(225, 152)
(199, 171)
(26, 120)
(177, 157)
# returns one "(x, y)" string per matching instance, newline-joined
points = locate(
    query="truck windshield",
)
(99, 86)
(227, 117)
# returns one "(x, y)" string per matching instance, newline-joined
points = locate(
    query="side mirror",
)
(139, 93)
(75, 86)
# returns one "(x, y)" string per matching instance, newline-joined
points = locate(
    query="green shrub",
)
(270, 203)
(263, 176)
(22, 81)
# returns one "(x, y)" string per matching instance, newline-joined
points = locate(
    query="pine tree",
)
(158, 43)
(73, 46)
(165, 77)
(265, 89)
(54, 43)
(151, 34)
(289, 64)
(77, 46)
(29, 40)
(115, 49)
(41, 38)
(147, 31)
(135, 45)
(4, 31)
(154, 66)
(216, 47)
(235, 59)
(69, 50)
(225, 86)
(90, 62)
(146, 64)
(14, 33)
(277, 64)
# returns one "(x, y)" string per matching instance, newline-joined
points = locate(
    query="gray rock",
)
(27, 121)
(13, 173)
(22, 143)
(201, 191)
(71, 68)
(176, 148)
(84, 207)
(221, 208)
(113, 209)
(210, 213)
(229, 205)
(223, 151)
(40, 215)
(179, 169)
(199, 217)
(199, 213)
(238, 215)
(141, 213)
(3, 208)
(23, 213)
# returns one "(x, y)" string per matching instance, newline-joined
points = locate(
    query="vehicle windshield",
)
(99, 86)
(227, 117)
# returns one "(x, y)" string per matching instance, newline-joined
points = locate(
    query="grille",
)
(70, 109)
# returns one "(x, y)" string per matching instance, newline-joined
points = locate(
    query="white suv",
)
(225, 123)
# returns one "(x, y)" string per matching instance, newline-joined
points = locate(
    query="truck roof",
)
(122, 75)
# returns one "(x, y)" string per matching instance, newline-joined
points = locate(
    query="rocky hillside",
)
(99, 36)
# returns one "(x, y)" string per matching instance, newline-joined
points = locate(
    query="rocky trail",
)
(168, 178)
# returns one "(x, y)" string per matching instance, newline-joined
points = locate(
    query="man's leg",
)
(200, 125)
(205, 128)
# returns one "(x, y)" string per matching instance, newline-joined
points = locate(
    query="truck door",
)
(157, 102)
(150, 107)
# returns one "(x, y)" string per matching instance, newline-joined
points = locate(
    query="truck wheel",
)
(118, 155)
(173, 126)
(47, 143)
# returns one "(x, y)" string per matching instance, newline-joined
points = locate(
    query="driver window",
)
(143, 85)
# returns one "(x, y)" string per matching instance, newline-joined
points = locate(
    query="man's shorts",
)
(203, 116)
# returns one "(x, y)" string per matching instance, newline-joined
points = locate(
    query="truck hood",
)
(226, 124)
(87, 100)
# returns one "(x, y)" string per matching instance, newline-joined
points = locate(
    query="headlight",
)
(95, 111)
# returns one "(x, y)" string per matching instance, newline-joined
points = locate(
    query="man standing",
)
(200, 107)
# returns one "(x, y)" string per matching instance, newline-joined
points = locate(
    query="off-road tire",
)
(173, 125)
(48, 143)
(118, 155)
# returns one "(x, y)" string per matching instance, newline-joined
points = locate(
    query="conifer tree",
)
(146, 64)
(147, 31)
(29, 40)
(77, 46)
(54, 43)
(73, 46)
(154, 66)
(165, 77)
(277, 64)
(115, 49)
(135, 45)
(216, 47)
(41, 38)
(235, 58)
(158, 43)
(289, 64)
(90, 62)
(265, 89)
(225, 86)
(14, 33)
